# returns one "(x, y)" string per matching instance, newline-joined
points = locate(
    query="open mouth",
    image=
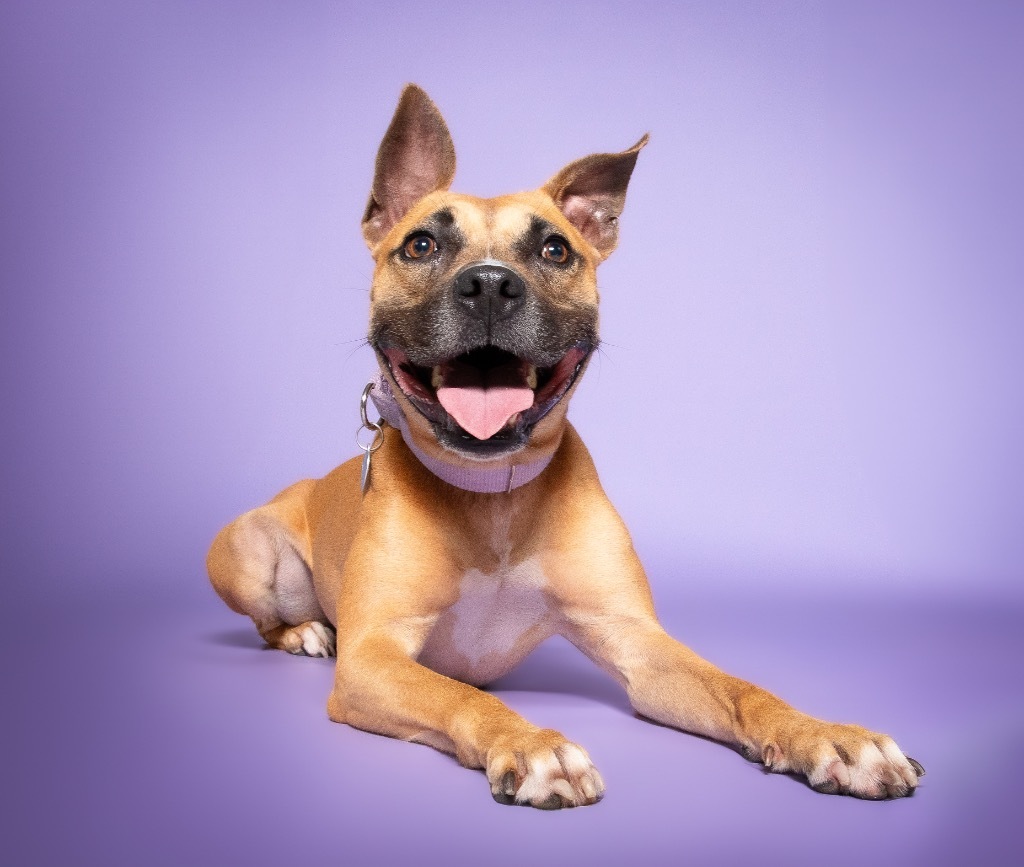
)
(488, 397)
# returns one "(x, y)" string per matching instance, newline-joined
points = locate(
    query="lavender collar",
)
(499, 480)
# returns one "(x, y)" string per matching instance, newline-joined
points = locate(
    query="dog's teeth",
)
(436, 380)
(531, 376)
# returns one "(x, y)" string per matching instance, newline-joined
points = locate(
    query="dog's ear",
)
(416, 157)
(591, 193)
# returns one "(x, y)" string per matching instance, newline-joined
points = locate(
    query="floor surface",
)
(154, 728)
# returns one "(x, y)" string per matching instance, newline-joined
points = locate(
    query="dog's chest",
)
(497, 619)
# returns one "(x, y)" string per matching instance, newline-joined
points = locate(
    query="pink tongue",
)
(484, 411)
(482, 408)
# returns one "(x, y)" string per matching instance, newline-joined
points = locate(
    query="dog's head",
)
(484, 311)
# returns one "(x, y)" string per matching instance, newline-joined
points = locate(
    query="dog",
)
(474, 527)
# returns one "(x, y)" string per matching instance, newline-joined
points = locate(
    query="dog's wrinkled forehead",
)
(503, 226)
(500, 222)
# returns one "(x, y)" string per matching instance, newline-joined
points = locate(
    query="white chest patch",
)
(494, 611)
(496, 620)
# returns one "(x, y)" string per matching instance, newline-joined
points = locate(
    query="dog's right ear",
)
(591, 192)
(416, 157)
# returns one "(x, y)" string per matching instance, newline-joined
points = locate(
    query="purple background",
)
(808, 408)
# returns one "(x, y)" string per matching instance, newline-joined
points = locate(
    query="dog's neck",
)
(497, 480)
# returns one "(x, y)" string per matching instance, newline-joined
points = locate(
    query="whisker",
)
(355, 349)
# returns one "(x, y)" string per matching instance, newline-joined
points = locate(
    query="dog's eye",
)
(555, 250)
(419, 246)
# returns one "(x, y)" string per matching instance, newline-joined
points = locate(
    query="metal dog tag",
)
(364, 479)
(375, 443)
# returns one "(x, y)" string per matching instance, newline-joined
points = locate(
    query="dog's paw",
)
(543, 770)
(840, 759)
(311, 638)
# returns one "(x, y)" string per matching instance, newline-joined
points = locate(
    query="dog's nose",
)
(490, 292)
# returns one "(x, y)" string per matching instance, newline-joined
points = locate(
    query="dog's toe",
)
(846, 759)
(545, 771)
(311, 638)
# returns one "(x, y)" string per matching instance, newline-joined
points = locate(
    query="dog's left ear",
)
(591, 193)
(416, 157)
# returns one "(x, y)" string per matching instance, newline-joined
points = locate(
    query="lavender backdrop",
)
(808, 408)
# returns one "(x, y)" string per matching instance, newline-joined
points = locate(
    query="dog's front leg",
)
(671, 684)
(380, 687)
(611, 618)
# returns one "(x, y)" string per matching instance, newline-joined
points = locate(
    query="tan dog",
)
(484, 529)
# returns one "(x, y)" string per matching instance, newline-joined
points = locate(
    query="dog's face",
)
(484, 311)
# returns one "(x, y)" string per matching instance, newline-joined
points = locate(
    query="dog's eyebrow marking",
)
(540, 226)
(528, 243)
(442, 225)
(443, 218)
(440, 221)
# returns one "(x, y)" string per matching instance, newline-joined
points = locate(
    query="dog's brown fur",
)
(416, 575)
